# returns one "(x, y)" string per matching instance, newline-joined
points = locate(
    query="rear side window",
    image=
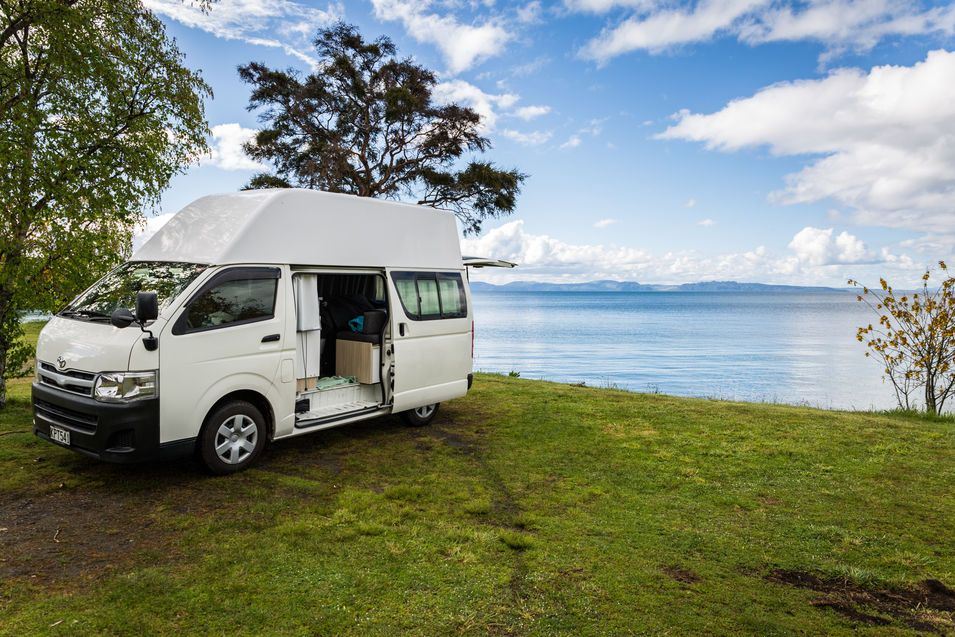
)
(235, 297)
(431, 295)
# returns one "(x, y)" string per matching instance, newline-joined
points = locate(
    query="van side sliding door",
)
(431, 336)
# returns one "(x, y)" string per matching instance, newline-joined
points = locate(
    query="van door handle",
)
(401, 329)
(271, 338)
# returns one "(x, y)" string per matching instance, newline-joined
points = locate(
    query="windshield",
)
(118, 288)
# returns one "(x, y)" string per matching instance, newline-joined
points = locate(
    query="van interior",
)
(341, 338)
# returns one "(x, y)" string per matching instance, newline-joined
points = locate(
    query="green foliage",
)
(367, 124)
(526, 508)
(97, 113)
(914, 339)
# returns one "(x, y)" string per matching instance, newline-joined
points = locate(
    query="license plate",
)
(61, 436)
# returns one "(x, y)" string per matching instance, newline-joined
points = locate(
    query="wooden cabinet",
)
(355, 358)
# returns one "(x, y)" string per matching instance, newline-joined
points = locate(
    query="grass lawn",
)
(526, 508)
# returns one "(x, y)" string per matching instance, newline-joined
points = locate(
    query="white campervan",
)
(258, 316)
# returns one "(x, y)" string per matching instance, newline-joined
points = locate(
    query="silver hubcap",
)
(425, 412)
(235, 439)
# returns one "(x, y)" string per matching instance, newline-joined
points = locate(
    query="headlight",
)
(121, 387)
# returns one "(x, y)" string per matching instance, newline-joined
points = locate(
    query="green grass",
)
(526, 508)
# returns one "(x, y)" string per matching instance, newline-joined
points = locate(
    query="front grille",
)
(70, 380)
(66, 417)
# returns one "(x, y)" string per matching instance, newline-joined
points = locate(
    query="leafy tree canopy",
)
(97, 113)
(366, 124)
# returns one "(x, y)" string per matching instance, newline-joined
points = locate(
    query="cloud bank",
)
(282, 24)
(814, 255)
(462, 45)
(881, 143)
(658, 25)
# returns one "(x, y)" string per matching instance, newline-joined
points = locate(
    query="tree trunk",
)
(3, 371)
(5, 341)
(930, 405)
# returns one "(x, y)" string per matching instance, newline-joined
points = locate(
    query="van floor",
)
(341, 409)
(340, 400)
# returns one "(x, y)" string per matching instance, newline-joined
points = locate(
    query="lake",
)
(797, 348)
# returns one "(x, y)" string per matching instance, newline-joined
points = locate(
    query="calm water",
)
(791, 348)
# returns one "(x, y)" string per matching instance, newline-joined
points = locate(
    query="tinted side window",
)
(235, 300)
(431, 295)
(430, 307)
(453, 301)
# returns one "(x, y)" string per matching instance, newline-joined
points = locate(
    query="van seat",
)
(374, 325)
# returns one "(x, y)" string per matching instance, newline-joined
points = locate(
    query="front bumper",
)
(114, 432)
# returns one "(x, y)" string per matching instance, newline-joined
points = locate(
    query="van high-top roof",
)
(306, 227)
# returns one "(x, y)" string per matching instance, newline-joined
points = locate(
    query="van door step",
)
(334, 411)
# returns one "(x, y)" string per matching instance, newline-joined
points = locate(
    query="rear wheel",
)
(420, 416)
(232, 438)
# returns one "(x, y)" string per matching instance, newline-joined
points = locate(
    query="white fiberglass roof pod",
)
(306, 227)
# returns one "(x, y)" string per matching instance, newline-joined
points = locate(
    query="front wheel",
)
(232, 438)
(420, 416)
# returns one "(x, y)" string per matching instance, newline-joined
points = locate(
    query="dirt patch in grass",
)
(66, 537)
(680, 574)
(929, 606)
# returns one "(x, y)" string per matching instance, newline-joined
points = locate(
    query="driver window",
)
(239, 301)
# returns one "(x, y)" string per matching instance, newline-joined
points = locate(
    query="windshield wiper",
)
(89, 315)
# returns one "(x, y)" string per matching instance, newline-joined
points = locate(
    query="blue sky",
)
(666, 141)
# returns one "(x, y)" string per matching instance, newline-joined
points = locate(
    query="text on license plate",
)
(61, 436)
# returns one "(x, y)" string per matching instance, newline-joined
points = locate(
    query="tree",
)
(367, 124)
(914, 339)
(97, 113)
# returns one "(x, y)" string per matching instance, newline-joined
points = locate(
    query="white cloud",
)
(859, 24)
(690, 203)
(603, 223)
(706, 223)
(665, 28)
(529, 68)
(530, 12)
(572, 142)
(816, 246)
(462, 45)
(226, 148)
(602, 6)
(884, 140)
(486, 104)
(528, 113)
(839, 24)
(282, 24)
(815, 256)
(533, 138)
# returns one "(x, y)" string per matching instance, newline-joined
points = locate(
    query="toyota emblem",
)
(61, 362)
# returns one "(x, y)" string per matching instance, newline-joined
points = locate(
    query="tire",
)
(232, 438)
(420, 416)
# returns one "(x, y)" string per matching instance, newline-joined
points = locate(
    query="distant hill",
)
(633, 286)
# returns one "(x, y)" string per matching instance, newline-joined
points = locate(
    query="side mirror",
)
(147, 306)
(121, 318)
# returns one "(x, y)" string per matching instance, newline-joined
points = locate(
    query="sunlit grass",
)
(526, 508)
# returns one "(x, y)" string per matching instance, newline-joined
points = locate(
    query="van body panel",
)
(309, 228)
(206, 365)
(431, 394)
(86, 345)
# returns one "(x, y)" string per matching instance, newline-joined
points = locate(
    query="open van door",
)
(431, 336)
(432, 333)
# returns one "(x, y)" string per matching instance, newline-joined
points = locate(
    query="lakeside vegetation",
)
(527, 508)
